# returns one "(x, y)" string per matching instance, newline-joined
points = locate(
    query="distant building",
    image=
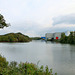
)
(49, 35)
(56, 35)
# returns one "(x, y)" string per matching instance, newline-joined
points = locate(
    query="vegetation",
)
(3, 22)
(36, 38)
(68, 39)
(13, 68)
(14, 37)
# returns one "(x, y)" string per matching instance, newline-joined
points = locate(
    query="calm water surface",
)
(59, 57)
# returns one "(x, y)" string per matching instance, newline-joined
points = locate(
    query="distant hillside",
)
(14, 37)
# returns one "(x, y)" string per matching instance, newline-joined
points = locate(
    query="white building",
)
(49, 35)
(56, 35)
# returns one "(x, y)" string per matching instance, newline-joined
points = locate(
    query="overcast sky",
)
(37, 17)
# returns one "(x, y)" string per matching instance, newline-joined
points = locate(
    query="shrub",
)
(22, 69)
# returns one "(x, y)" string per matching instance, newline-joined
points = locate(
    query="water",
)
(59, 57)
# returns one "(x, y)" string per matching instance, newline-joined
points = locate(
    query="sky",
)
(38, 17)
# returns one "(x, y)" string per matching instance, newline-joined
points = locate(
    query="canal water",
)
(59, 57)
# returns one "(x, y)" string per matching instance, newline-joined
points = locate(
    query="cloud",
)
(28, 28)
(34, 17)
(59, 28)
(67, 19)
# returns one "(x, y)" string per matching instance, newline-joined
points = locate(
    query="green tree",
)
(71, 38)
(68, 39)
(62, 40)
(3, 22)
(74, 37)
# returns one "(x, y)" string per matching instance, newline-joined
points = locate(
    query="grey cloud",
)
(67, 19)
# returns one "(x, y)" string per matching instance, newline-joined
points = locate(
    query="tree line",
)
(14, 37)
(68, 39)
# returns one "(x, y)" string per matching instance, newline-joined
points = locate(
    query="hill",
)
(14, 37)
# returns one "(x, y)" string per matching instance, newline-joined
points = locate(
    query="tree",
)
(71, 38)
(62, 40)
(3, 22)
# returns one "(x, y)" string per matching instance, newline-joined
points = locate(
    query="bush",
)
(22, 69)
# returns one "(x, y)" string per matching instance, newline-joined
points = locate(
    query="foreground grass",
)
(13, 68)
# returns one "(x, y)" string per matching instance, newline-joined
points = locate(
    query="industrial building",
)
(50, 36)
(57, 35)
